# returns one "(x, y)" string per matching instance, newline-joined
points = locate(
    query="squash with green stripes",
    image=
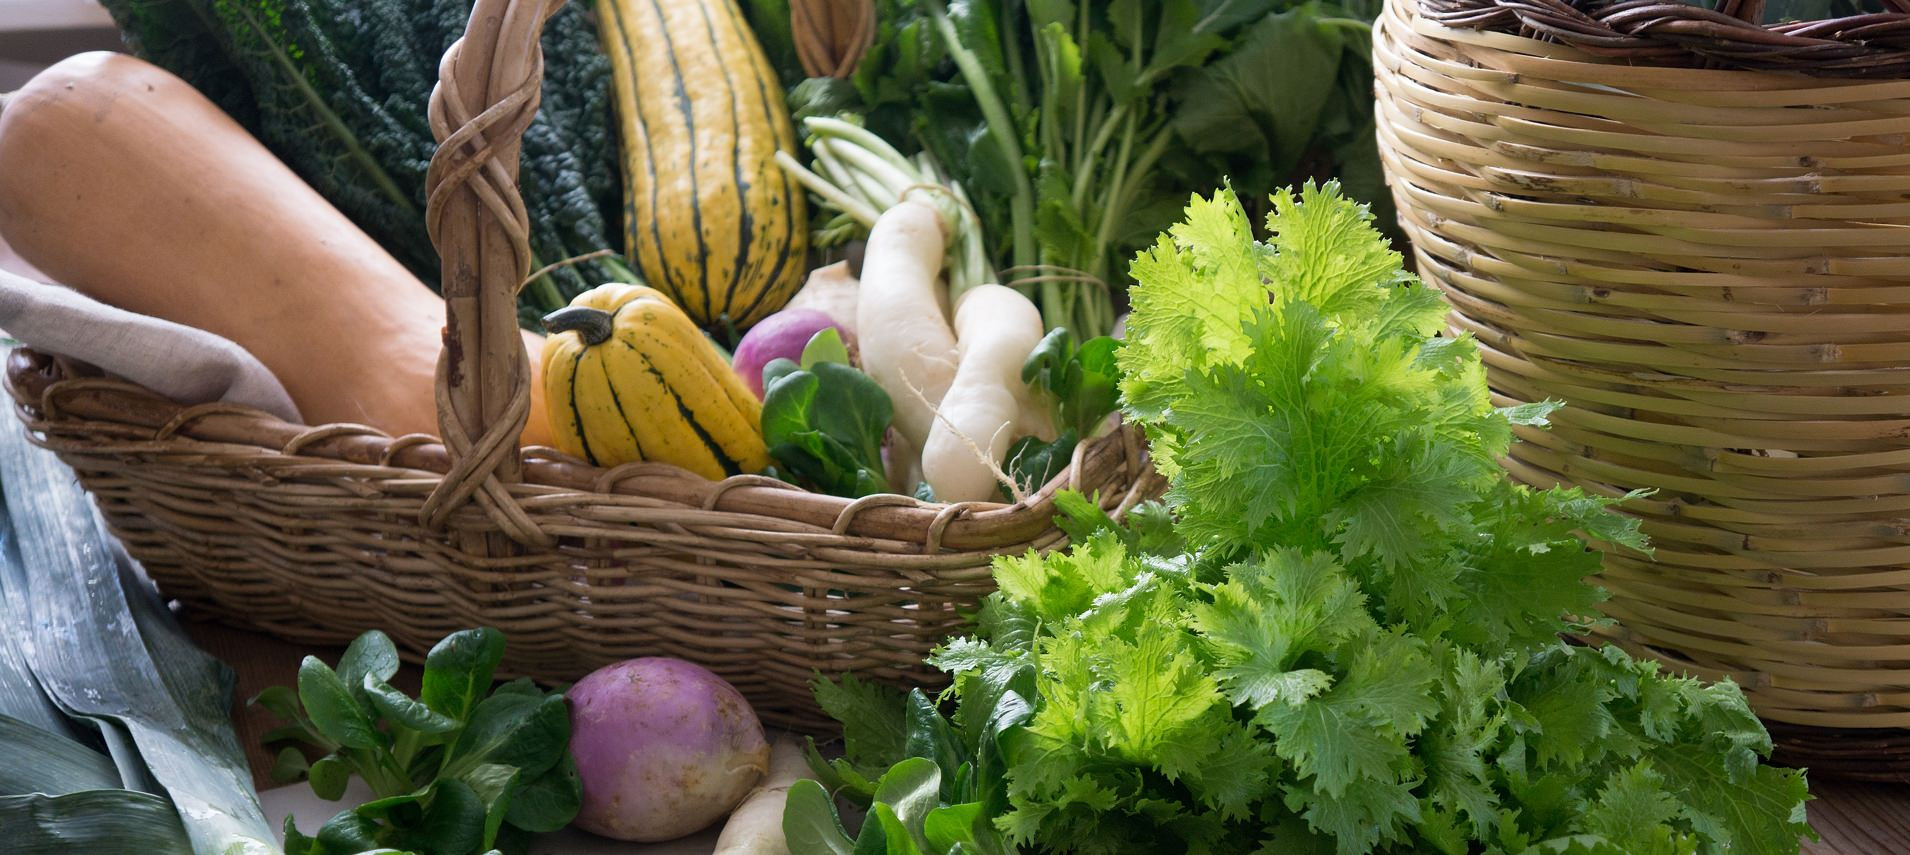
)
(709, 218)
(629, 377)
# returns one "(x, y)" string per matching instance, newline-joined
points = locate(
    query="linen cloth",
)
(188, 365)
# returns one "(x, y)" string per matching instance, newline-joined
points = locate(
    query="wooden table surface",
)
(1853, 819)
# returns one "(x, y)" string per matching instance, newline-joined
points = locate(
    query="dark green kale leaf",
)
(177, 35)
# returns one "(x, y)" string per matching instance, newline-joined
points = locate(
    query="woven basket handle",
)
(487, 94)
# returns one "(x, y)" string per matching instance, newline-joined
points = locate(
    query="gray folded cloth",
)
(188, 365)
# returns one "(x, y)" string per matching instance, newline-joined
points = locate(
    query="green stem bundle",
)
(860, 175)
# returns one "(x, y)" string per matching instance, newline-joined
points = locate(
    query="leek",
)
(93, 656)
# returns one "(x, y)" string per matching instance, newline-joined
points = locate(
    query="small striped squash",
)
(629, 377)
(709, 217)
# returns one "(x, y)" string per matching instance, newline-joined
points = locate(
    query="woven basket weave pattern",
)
(1710, 268)
(1676, 33)
(316, 534)
(311, 534)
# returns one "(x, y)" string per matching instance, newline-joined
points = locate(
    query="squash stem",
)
(593, 324)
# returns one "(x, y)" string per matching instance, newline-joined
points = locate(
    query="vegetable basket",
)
(1694, 229)
(316, 533)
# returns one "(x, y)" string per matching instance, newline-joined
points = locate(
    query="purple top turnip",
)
(664, 748)
(780, 336)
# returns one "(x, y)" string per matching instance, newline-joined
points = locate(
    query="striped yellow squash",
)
(709, 217)
(629, 377)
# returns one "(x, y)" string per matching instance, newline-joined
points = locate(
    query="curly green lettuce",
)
(1351, 643)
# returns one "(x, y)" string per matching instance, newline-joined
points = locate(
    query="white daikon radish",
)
(907, 346)
(987, 406)
(833, 291)
(756, 827)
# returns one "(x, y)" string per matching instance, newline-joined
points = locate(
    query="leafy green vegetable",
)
(1081, 387)
(1033, 462)
(462, 769)
(107, 653)
(1080, 382)
(824, 421)
(1350, 640)
(97, 822)
(338, 90)
(930, 801)
(1075, 126)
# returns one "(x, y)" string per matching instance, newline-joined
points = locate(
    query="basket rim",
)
(1669, 33)
(51, 389)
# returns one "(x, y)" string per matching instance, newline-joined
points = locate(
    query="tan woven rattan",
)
(318, 533)
(1674, 33)
(1710, 268)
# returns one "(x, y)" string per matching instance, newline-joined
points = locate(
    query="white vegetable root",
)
(756, 826)
(907, 345)
(987, 406)
(831, 291)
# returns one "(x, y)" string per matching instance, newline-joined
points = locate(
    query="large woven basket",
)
(1712, 268)
(316, 534)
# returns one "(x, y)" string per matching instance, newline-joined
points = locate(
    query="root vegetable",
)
(756, 828)
(987, 406)
(907, 346)
(832, 290)
(781, 336)
(664, 749)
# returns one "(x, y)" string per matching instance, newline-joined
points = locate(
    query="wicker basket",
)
(1712, 268)
(318, 533)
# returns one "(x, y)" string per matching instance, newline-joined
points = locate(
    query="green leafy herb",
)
(824, 421)
(1350, 640)
(459, 770)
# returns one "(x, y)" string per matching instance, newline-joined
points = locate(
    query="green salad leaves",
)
(1347, 640)
(460, 769)
(824, 421)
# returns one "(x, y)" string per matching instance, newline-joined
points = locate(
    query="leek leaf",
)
(94, 654)
(33, 760)
(96, 822)
(20, 694)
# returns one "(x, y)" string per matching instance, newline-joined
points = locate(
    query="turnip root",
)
(756, 828)
(781, 336)
(833, 291)
(987, 406)
(907, 346)
(664, 748)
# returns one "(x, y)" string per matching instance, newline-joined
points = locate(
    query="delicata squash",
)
(710, 218)
(629, 377)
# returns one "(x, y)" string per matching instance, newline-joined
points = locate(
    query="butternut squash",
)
(123, 182)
